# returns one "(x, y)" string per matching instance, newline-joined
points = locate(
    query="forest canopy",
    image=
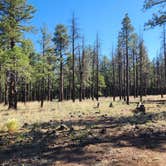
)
(67, 68)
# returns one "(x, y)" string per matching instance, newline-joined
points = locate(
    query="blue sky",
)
(102, 16)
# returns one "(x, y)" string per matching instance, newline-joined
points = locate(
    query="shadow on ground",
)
(47, 143)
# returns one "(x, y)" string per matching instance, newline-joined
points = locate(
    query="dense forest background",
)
(68, 68)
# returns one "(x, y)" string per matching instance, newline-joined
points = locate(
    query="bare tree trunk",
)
(113, 72)
(24, 92)
(12, 93)
(124, 79)
(42, 93)
(49, 88)
(134, 74)
(141, 71)
(93, 74)
(1, 95)
(61, 94)
(80, 74)
(70, 91)
(127, 70)
(164, 44)
(74, 36)
(6, 91)
(97, 68)
(136, 70)
(120, 74)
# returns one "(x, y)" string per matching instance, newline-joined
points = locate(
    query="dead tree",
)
(97, 67)
(74, 37)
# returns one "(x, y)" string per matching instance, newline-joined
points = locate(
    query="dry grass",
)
(32, 113)
(92, 136)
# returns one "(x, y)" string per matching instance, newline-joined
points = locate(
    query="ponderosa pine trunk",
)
(42, 93)
(61, 94)
(97, 68)
(113, 72)
(120, 74)
(127, 70)
(164, 45)
(73, 56)
(134, 74)
(141, 86)
(137, 78)
(93, 75)
(49, 89)
(12, 91)
(80, 74)
(124, 79)
(6, 90)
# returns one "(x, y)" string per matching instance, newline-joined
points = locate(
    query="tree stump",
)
(98, 105)
(111, 105)
(140, 108)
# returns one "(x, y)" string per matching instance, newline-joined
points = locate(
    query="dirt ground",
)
(67, 134)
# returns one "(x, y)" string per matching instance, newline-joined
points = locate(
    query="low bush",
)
(12, 125)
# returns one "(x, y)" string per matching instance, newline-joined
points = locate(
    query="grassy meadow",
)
(69, 134)
(32, 113)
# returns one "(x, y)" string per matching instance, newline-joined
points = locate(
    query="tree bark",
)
(127, 70)
(97, 68)
(93, 75)
(61, 94)
(12, 93)
(134, 74)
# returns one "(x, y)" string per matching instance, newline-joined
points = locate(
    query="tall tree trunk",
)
(134, 74)
(82, 64)
(73, 73)
(49, 88)
(1, 95)
(42, 93)
(113, 72)
(80, 75)
(97, 68)
(127, 70)
(93, 75)
(61, 94)
(137, 78)
(12, 93)
(124, 79)
(6, 91)
(164, 45)
(70, 91)
(141, 86)
(120, 74)
(73, 57)
(24, 91)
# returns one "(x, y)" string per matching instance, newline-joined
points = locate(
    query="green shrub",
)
(12, 125)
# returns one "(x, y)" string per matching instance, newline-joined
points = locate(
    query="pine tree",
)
(158, 18)
(97, 66)
(120, 63)
(143, 69)
(164, 48)
(14, 13)
(45, 65)
(74, 37)
(127, 30)
(61, 43)
(81, 70)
